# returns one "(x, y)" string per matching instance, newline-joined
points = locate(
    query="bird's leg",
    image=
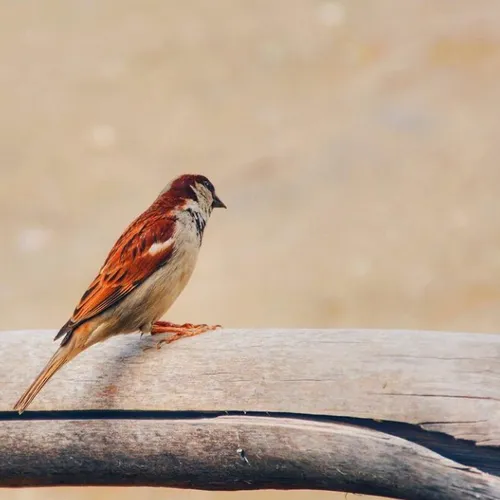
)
(179, 331)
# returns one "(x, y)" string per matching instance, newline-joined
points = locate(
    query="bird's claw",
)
(179, 331)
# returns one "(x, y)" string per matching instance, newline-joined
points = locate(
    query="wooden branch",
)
(404, 414)
(233, 453)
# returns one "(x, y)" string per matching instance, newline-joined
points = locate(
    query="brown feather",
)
(128, 264)
(64, 354)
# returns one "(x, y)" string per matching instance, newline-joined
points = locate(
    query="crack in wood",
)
(453, 396)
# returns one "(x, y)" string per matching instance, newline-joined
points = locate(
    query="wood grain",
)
(446, 382)
(398, 413)
(232, 453)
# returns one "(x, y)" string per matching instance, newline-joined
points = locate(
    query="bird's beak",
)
(217, 202)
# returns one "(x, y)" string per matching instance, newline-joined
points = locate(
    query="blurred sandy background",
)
(355, 143)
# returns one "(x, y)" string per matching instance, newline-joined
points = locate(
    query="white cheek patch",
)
(190, 204)
(156, 248)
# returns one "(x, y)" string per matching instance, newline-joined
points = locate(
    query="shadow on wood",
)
(411, 415)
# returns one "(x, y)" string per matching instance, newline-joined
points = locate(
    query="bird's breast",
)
(172, 277)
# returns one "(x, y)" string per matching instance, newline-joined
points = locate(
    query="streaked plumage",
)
(144, 273)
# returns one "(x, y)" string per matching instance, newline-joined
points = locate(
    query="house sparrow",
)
(144, 273)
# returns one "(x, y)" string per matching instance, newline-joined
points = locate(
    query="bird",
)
(144, 273)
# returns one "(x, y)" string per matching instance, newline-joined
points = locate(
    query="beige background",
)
(355, 143)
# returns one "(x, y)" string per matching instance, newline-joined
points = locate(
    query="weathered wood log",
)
(404, 414)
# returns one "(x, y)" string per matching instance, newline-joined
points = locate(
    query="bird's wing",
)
(145, 246)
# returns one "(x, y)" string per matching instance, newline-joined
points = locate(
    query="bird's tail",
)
(64, 354)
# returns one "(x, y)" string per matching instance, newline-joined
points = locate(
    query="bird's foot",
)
(179, 331)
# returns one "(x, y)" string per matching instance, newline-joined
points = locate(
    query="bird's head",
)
(189, 188)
